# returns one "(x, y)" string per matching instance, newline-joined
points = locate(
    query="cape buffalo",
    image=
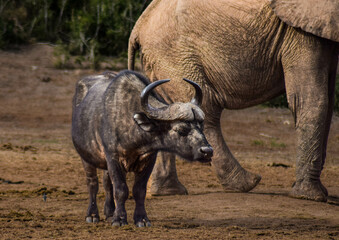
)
(120, 124)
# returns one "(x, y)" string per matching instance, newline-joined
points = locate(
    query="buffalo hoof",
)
(169, 186)
(143, 224)
(242, 181)
(91, 219)
(109, 209)
(109, 219)
(119, 222)
(310, 190)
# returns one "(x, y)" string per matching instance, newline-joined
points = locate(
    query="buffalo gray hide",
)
(120, 124)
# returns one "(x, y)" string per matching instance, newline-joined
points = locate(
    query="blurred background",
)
(84, 34)
(89, 30)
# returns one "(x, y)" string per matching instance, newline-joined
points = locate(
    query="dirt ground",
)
(37, 157)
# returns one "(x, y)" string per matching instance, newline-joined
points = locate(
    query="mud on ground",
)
(37, 158)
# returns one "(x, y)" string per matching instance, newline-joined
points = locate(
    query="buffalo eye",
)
(182, 129)
(184, 132)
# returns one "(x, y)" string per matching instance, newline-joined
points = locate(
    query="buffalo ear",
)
(144, 122)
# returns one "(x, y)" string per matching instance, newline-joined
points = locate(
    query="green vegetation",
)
(278, 102)
(89, 28)
(275, 144)
(281, 101)
(258, 143)
(85, 29)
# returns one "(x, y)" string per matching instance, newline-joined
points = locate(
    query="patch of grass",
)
(275, 144)
(25, 148)
(278, 165)
(304, 216)
(20, 216)
(269, 120)
(39, 192)
(278, 102)
(258, 143)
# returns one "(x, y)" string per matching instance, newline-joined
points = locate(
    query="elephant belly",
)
(241, 53)
(245, 85)
(234, 51)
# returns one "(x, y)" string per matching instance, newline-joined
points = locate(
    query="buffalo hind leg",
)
(164, 179)
(139, 193)
(109, 200)
(93, 187)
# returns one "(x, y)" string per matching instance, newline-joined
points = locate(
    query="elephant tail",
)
(133, 46)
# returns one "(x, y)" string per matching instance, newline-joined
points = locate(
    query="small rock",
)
(46, 79)
(286, 122)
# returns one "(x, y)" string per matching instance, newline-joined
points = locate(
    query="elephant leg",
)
(309, 91)
(331, 101)
(109, 200)
(93, 187)
(230, 173)
(164, 179)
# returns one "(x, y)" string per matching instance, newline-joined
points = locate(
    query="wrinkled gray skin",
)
(241, 54)
(112, 130)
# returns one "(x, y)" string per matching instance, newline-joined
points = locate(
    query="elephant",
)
(244, 53)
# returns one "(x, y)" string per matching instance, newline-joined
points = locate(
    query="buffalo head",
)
(176, 127)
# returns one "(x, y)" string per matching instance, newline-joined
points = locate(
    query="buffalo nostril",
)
(207, 151)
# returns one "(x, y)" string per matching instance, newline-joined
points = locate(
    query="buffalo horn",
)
(197, 100)
(144, 98)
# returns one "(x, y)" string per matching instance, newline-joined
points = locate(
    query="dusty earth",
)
(37, 158)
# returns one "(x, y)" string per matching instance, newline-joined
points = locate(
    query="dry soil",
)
(37, 157)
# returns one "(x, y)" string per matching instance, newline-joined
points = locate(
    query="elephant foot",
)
(324, 189)
(310, 190)
(167, 186)
(242, 181)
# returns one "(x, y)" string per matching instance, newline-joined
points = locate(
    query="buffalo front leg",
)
(164, 179)
(93, 187)
(310, 94)
(231, 174)
(120, 192)
(109, 200)
(139, 193)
